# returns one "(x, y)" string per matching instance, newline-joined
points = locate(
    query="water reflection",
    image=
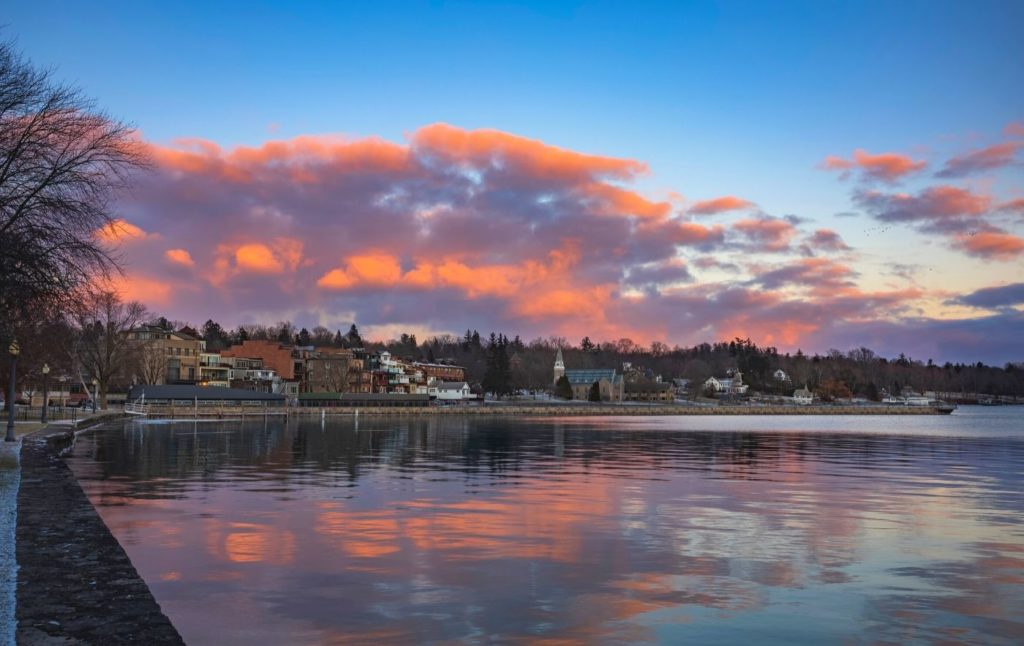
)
(582, 531)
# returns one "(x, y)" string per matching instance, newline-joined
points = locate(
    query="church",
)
(609, 381)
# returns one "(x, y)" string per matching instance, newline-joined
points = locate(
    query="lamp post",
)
(95, 393)
(63, 389)
(14, 349)
(46, 391)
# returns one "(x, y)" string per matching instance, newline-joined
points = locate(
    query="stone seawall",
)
(623, 411)
(76, 585)
(234, 412)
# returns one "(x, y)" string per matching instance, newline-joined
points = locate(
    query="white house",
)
(733, 385)
(780, 375)
(450, 390)
(802, 396)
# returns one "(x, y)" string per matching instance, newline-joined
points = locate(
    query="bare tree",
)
(150, 363)
(103, 345)
(61, 163)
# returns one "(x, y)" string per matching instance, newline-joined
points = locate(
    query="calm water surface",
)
(669, 530)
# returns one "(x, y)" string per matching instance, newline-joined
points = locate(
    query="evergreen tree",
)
(563, 389)
(595, 392)
(354, 340)
(498, 371)
(586, 344)
(303, 337)
(339, 341)
(214, 335)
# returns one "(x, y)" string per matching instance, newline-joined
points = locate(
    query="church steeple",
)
(559, 366)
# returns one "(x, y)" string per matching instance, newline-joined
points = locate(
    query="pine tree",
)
(563, 389)
(595, 392)
(354, 340)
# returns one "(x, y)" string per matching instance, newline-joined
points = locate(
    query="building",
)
(450, 391)
(441, 371)
(559, 366)
(189, 395)
(649, 391)
(167, 356)
(335, 371)
(802, 396)
(608, 380)
(362, 400)
(732, 385)
(780, 375)
(275, 356)
(215, 370)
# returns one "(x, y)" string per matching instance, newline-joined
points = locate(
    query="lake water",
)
(600, 530)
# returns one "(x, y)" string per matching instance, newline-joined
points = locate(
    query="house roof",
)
(647, 386)
(368, 397)
(589, 376)
(451, 385)
(202, 393)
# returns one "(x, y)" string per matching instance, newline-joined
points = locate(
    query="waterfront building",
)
(450, 391)
(167, 356)
(191, 395)
(803, 396)
(275, 356)
(441, 371)
(732, 385)
(649, 391)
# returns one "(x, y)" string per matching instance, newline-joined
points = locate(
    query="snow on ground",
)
(10, 478)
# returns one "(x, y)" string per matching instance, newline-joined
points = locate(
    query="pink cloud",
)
(1014, 129)
(937, 208)
(991, 158)
(720, 205)
(766, 234)
(826, 240)
(461, 228)
(991, 245)
(885, 167)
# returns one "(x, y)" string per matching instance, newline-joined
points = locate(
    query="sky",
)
(810, 175)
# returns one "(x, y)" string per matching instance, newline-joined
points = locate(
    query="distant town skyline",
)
(807, 176)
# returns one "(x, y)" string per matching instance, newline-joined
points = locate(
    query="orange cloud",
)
(489, 148)
(997, 245)
(374, 269)
(1014, 129)
(150, 291)
(180, 257)
(277, 256)
(887, 167)
(720, 205)
(259, 258)
(119, 231)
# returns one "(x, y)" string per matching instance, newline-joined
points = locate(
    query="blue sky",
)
(731, 98)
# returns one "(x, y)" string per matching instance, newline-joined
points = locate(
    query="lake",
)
(740, 530)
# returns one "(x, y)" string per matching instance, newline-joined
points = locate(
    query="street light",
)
(95, 393)
(15, 350)
(46, 391)
(63, 389)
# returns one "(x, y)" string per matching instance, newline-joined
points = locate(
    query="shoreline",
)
(537, 410)
(75, 583)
